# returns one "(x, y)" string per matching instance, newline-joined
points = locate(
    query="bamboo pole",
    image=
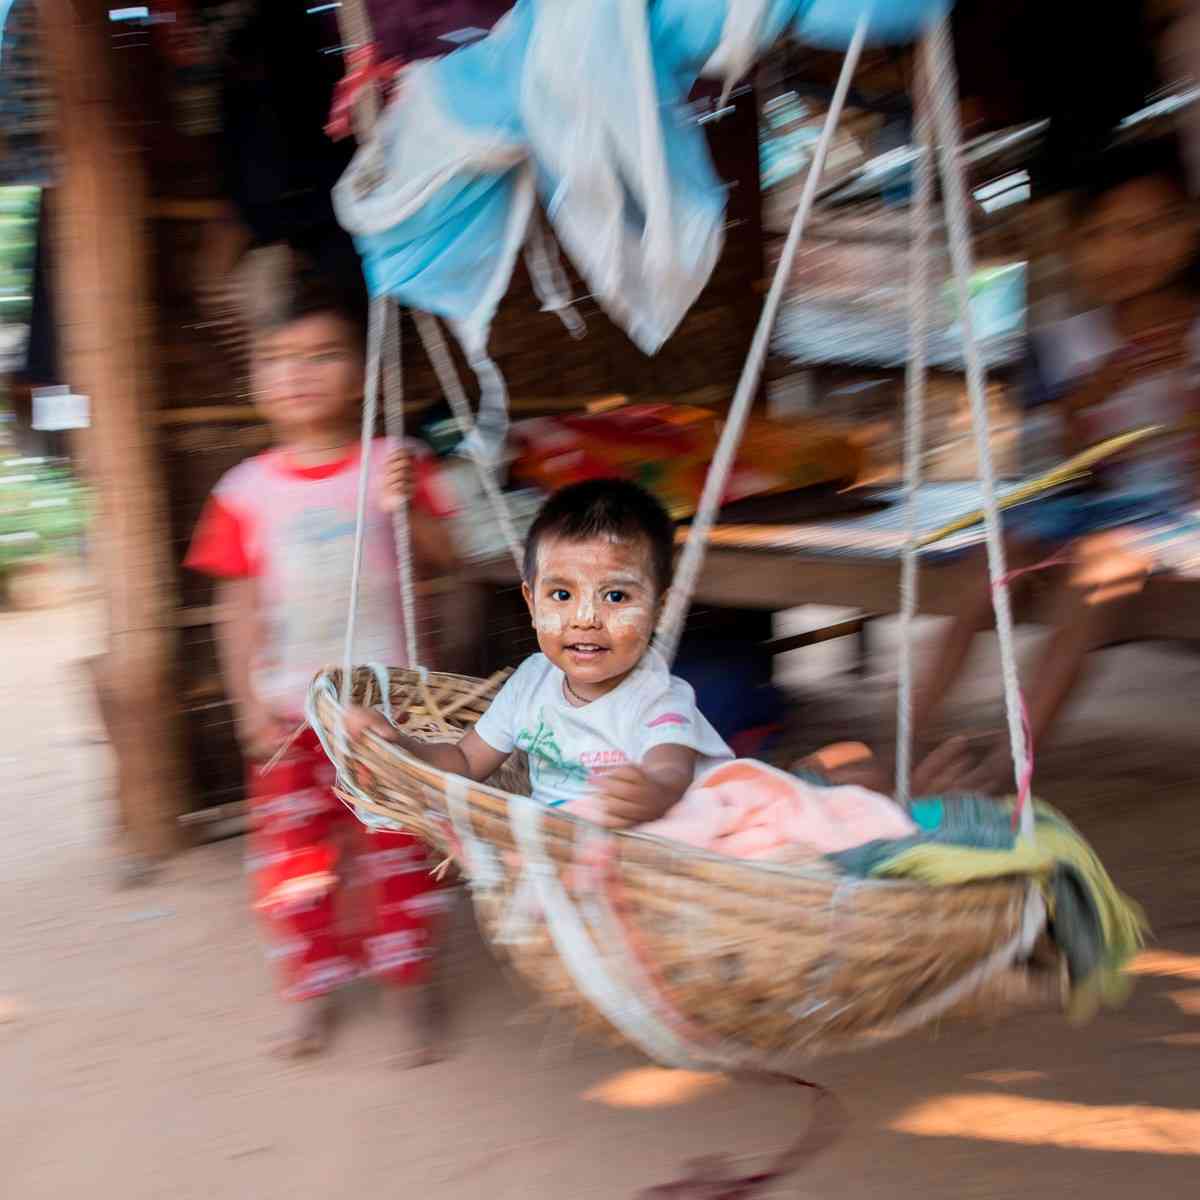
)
(109, 338)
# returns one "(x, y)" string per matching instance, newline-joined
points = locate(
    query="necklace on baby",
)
(573, 694)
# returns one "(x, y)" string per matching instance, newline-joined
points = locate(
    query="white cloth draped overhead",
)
(580, 102)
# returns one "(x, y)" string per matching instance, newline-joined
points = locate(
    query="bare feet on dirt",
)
(420, 1014)
(137, 870)
(310, 1031)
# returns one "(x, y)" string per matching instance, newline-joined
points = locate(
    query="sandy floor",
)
(132, 1024)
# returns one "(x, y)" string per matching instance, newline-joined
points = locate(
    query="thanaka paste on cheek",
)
(631, 616)
(545, 619)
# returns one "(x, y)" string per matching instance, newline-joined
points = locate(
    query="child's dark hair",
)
(284, 287)
(1159, 158)
(612, 508)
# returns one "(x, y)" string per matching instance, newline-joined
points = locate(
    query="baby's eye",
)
(615, 596)
(561, 595)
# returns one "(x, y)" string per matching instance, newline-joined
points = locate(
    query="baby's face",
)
(594, 605)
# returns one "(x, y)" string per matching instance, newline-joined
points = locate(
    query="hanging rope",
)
(549, 279)
(354, 25)
(687, 573)
(393, 421)
(378, 316)
(914, 424)
(942, 80)
(452, 388)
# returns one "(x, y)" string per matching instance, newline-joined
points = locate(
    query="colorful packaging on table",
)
(667, 448)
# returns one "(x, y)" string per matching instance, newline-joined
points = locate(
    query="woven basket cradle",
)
(771, 958)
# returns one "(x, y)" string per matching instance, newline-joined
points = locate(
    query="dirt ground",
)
(132, 1023)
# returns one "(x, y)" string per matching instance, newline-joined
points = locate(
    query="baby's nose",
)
(586, 616)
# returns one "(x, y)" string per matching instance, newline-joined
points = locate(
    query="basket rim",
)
(436, 776)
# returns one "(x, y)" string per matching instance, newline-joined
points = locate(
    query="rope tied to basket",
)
(914, 429)
(939, 88)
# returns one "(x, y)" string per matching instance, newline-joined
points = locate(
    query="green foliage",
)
(18, 233)
(43, 510)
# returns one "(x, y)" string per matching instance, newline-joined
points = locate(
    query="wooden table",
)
(854, 562)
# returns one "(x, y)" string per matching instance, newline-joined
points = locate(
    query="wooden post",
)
(109, 338)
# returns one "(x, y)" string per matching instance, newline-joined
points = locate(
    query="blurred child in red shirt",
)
(278, 534)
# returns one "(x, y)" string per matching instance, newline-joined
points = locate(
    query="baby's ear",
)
(661, 604)
(527, 592)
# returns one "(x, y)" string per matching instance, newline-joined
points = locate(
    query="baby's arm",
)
(471, 757)
(635, 795)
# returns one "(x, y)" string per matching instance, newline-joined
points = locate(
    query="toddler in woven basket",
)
(597, 710)
(607, 729)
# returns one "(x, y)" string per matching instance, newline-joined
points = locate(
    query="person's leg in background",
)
(294, 863)
(974, 613)
(1106, 574)
(408, 914)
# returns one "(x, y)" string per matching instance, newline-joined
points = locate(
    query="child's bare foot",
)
(312, 1025)
(137, 870)
(941, 769)
(993, 773)
(421, 1013)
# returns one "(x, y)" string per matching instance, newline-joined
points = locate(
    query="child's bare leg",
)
(974, 614)
(1106, 575)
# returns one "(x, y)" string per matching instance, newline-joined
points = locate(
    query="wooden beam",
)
(167, 208)
(814, 637)
(247, 414)
(108, 331)
(209, 414)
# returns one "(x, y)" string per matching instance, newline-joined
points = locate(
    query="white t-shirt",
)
(570, 748)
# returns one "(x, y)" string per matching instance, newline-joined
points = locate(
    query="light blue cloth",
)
(583, 103)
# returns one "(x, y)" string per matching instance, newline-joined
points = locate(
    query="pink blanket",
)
(746, 809)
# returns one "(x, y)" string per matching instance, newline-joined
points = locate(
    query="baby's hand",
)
(631, 797)
(397, 482)
(361, 721)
